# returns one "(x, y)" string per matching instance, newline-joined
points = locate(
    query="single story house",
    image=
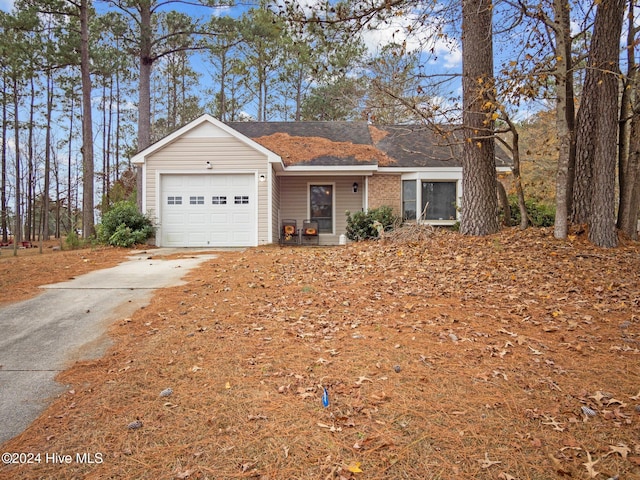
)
(233, 184)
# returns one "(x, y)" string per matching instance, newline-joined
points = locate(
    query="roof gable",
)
(204, 126)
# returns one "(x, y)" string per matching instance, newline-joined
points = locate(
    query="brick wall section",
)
(385, 190)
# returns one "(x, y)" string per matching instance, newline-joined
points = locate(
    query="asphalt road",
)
(43, 336)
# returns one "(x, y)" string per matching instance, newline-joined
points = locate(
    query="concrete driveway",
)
(66, 323)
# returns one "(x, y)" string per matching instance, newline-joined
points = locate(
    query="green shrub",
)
(364, 226)
(540, 214)
(124, 226)
(72, 241)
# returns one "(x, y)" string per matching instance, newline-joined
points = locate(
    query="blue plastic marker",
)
(325, 397)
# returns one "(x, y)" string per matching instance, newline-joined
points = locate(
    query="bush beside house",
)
(367, 225)
(124, 226)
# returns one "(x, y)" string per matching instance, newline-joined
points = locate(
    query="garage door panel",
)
(170, 182)
(241, 218)
(220, 218)
(208, 213)
(177, 219)
(197, 239)
(175, 238)
(242, 181)
(221, 238)
(219, 181)
(195, 181)
(197, 219)
(239, 237)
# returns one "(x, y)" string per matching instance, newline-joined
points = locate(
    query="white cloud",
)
(418, 35)
(449, 53)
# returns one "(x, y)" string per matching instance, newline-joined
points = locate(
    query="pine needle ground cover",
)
(513, 356)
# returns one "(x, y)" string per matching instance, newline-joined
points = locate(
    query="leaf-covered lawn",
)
(513, 356)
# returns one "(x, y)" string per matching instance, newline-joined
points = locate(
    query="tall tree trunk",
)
(631, 205)
(117, 137)
(3, 185)
(72, 224)
(56, 176)
(17, 228)
(87, 125)
(604, 56)
(144, 99)
(629, 143)
(105, 141)
(107, 152)
(221, 96)
(47, 160)
(479, 204)
(29, 230)
(585, 151)
(565, 118)
(299, 80)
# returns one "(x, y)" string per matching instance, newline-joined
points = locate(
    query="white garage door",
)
(216, 210)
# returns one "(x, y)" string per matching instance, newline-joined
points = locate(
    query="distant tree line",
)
(85, 84)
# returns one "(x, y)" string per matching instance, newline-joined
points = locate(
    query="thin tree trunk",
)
(517, 180)
(72, 225)
(3, 185)
(629, 143)
(503, 200)
(87, 126)
(221, 96)
(17, 229)
(47, 160)
(29, 230)
(630, 200)
(117, 137)
(105, 141)
(517, 176)
(107, 152)
(565, 119)
(56, 176)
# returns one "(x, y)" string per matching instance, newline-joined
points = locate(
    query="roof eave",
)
(330, 170)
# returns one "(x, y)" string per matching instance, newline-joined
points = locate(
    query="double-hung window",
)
(409, 200)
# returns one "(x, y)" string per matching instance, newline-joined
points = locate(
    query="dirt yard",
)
(513, 356)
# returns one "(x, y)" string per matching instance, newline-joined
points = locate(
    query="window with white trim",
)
(409, 200)
(441, 200)
(174, 200)
(196, 200)
(241, 200)
(218, 200)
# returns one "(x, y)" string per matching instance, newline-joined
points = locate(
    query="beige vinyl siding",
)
(294, 193)
(226, 155)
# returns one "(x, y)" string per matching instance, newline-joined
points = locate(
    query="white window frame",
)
(436, 175)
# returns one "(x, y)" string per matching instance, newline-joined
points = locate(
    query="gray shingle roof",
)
(411, 146)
